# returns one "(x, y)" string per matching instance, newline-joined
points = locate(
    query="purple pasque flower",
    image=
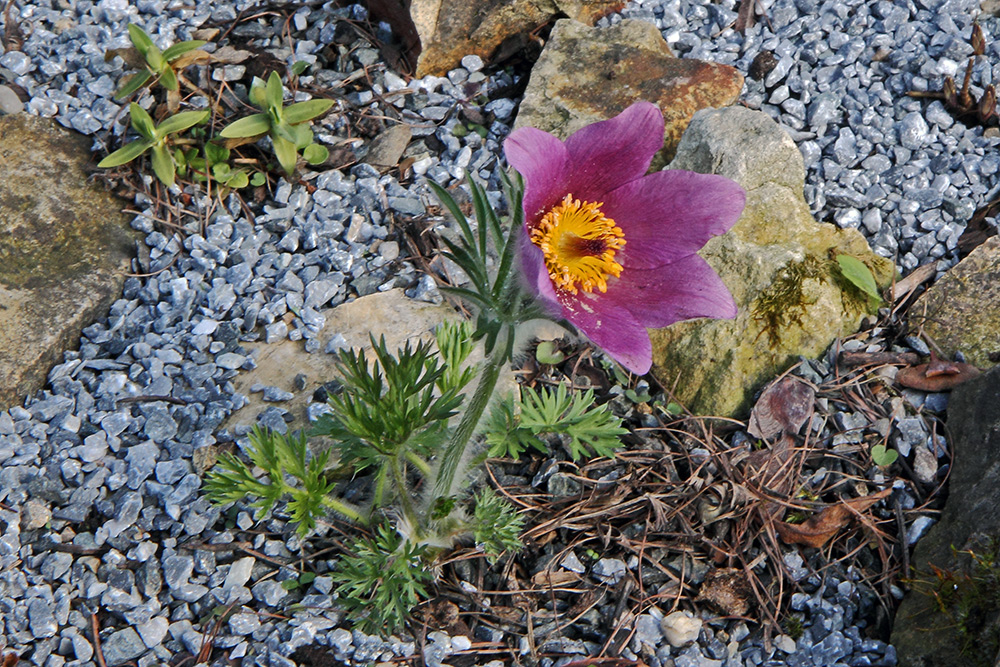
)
(612, 249)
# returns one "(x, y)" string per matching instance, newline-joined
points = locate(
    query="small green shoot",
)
(859, 275)
(161, 66)
(497, 525)
(455, 343)
(882, 456)
(155, 137)
(288, 126)
(302, 581)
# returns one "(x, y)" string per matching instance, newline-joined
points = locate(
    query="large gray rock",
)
(778, 262)
(64, 249)
(967, 630)
(961, 311)
(586, 74)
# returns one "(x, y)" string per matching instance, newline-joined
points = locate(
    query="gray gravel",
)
(114, 479)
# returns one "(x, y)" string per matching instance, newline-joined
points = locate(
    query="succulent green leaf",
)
(882, 456)
(133, 83)
(181, 121)
(303, 135)
(274, 93)
(126, 153)
(859, 275)
(140, 39)
(181, 161)
(163, 165)
(299, 66)
(286, 154)
(257, 95)
(142, 122)
(251, 126)
(238, 180)
(222, 171)
(285, 131)
(300, 112)
(179, 49)
(168, 79)
(315, 154)
(258, 179)
(155, 59)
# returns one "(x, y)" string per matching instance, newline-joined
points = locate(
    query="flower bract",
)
(611, 249)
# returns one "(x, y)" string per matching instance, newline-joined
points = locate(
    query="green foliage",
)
(301, 581)
(160, 66)
(280, 457)
(389, 414)
(155, 137)
(212, 164)
(498, 298)
(381, 579)
(504, 434)
(497, 526)
(587, 426)
(882, 456)
(859, 275)
(288, 126)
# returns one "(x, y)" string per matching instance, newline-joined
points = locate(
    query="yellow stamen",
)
(579, 244)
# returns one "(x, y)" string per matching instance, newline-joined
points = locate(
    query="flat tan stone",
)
(64, 249)
(961, 311)
(452, 29)
(586, 74)
(391, 314)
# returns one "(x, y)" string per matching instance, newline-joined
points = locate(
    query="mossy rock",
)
(779, 263)
(951, 614)
(64, 249)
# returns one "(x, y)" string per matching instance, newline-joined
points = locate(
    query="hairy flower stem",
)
(454, 452)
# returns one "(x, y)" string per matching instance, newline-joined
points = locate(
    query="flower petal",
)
(611, 327)
(681, 290)
(607, 154)
(671, 214)
(543, 162)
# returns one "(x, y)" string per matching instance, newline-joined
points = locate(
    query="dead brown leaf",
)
(818, 530)
(555, 579)
(978, 229)
(936, 375)
(784, 407)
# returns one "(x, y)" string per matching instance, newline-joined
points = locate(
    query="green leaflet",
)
(859, 275)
